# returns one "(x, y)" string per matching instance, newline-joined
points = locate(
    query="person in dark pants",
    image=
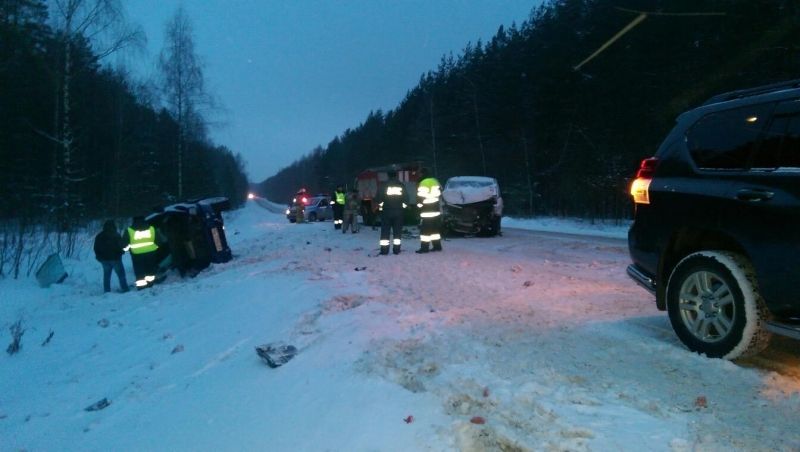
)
(176, 228)
(391, 204)
(338, 202)
(351, 206)
(143, 243)
(108, 250)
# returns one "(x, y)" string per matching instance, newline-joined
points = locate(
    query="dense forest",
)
(80, 140)
(562, 137)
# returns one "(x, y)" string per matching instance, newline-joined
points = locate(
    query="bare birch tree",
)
(183, 84)
(101, 24)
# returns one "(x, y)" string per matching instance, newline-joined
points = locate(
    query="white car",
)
(472, 205)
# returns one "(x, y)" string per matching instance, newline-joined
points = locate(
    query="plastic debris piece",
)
(527, 283)
(478, 420)
(276, 354)
(486, 392)
(409, 419)
(51, 271)
(701, 402)
(360, 269)
(178, 348)
(99, 405)
(103, 323)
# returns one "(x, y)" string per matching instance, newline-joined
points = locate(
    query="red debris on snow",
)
(701, 402)
(409, 419)
(478, 420)
(486, 392)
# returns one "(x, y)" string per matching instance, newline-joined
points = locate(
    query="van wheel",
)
(715, 307)
(312, 217)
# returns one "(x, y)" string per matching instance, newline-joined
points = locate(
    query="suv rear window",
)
(781, 145)
(726, 139)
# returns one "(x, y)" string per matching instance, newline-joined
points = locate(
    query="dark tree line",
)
(106, 148)
(563, 141)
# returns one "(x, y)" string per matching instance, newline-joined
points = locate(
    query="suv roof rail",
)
(738, 94)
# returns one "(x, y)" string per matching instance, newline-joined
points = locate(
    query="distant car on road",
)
(472, 205)
(716, 233)
(318, 208)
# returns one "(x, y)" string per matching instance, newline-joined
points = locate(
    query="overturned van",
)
(195, 234)
(472, 205)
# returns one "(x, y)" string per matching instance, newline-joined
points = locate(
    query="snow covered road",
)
(529, 341)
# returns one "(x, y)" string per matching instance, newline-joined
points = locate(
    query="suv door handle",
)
(752, 195)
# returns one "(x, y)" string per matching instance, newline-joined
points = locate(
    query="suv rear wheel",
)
(714, 305)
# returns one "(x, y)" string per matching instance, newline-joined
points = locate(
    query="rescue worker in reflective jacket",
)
(428, 193)
(143, 244)
(391, 205)
(338, 202)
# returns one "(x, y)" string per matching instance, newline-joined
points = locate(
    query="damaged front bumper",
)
(475, 218)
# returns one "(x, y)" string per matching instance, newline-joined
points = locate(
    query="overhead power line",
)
(641, 15)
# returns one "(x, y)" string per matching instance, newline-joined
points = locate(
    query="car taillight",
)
(641, 185)
(305, 200)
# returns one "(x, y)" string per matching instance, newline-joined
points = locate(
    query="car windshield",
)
(469, 184)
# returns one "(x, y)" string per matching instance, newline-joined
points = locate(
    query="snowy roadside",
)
(522, 342)
(611, 229)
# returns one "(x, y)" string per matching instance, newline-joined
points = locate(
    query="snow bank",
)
(598, 228)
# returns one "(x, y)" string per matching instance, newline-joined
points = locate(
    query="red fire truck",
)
(371, 180)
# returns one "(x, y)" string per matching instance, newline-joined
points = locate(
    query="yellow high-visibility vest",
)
(142, 242)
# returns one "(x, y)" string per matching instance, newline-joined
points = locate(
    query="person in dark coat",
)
(351, 206)
(176, 228)
(108, 250)
(391, 201)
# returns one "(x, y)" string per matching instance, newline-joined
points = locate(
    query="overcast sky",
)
(293, 74)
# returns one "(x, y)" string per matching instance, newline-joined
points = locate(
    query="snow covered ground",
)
(529, 341)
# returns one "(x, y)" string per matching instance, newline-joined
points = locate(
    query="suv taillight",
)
(640, 185)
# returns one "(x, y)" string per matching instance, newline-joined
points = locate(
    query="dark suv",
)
(716, 233)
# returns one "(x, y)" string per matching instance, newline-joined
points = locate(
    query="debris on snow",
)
(701, 402)
(408, 419)
(49, 336)
(360, 269)
(527, 283)
(178, 348)
(478, 420)
(516, 268)
(99, 405)
(103, 323)
(276, 354)
(16, 337)
(341, 303)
